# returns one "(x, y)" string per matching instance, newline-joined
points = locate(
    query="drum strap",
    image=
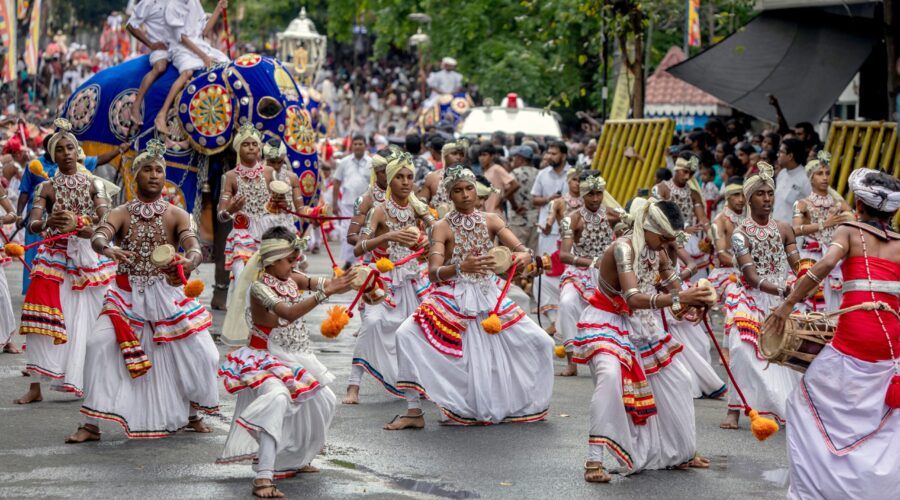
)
(883, 234)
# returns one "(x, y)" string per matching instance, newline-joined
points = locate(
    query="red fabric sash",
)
(136, 361)
(42, 311)
(616, 305)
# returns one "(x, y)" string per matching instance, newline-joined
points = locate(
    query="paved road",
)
(541, 460)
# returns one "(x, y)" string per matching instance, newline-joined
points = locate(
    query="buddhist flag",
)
(33, 40)
(693, 23)
(8, 39)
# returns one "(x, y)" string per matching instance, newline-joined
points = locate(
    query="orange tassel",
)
(762, 427)
(892, 398)
(14, 249)
(732, 278)
(338, 272)
(193, 288)
(37, 168)
(335, 322)
(492, 324)
(384, 265)
(560, 351)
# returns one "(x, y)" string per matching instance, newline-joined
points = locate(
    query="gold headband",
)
(154, 151)
(246, 132)
(592, 183)
(690, 165)
(731, 189)
(275, 249)
(765, 176)
(63, 132)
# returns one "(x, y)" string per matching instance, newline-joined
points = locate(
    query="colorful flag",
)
(693, 23)
(8, 39)
(23, 9)
(621, 104)
(33, 40)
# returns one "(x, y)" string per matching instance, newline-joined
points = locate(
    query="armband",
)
(101, 189)
(797, 211)
(813, 277)
(673, 276)
(793, 252)
(565, 227)
(320, 296)
(356, 206)
(4, 196)
(834, 243)
(624, 256)
(224, 216)
(265, 296)
(631, 292)
(739, 244)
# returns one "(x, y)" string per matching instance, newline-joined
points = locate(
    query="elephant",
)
(216, 102)
(213, 105)
(448, 108)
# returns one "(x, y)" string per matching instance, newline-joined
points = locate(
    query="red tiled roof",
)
(663, 88)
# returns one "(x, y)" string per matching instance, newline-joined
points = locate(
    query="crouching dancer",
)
(642, 410)
(284, 406)
(150, 363)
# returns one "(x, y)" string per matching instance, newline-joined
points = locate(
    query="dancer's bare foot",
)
(86, 432)
(352, 397)
(160, 123)
(595, 473)
(731, 420)
(32, 396)
(570, 370)
(11, 349)
(699, 462)
(408, 421)
(308, 469)
(265, 488)
(197, 425)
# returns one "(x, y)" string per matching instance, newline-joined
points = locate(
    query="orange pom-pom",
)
(335, 322)
(384, 265)
(338, 272)
(560, 351)
(762, 427)
(37, 168)
(732, 278)
(433, 212)
(194, 288)
(492, 324)
(14, 250)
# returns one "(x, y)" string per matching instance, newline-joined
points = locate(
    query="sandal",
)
(93, 435)
(604, 476)
(257, 488)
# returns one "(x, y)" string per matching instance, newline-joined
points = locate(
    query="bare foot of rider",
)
(32, 396)
(160, 123)
(352, 397)
(731, 420)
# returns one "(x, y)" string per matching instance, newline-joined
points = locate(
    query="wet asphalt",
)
(540, 460)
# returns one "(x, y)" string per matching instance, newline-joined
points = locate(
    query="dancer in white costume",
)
(68, 277)
(446, 354)
(586, 233)
(151, 363)
(684, 190)
(641, 410)
(284, 406)
(245, 194)
(432, 192)
(766, 253)
(388, 234)
(275, 153)
(723, 226)
(845, 412)
(816, 217)
(8, 320)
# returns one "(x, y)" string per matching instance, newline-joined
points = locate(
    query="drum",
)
(359, 274)
(805, 264)
(279, 187)
(502, 259)
(414, 231)
(443, 209)
(163, 255)
(802, 339)
(71, 222)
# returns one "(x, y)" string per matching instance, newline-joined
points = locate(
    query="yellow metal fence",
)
(629, 152)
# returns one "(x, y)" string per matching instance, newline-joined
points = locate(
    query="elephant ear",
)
(206, 112)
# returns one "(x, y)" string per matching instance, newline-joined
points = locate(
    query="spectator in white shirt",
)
(351, 180)
(791, 184)
(445, 81)
(549, 185)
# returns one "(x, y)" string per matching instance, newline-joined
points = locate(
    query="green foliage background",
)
(549, 52)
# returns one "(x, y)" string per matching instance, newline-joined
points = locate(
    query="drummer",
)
(481, 378)
(844, 435)
(392, 231)
(275, 154)
(151, 363)
(816, 217)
